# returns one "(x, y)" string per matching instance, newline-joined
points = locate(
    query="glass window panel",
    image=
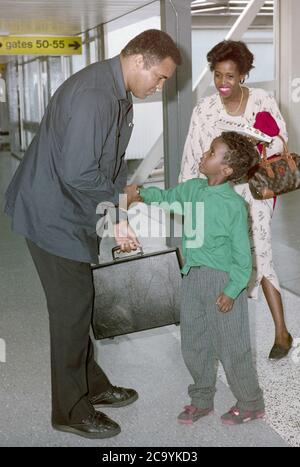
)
(31, 91)
(79, 61)
(13, 103)
(55, 74)
(93, 58)
(33, 105)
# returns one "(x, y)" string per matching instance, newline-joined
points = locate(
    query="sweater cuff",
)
(144, 194)
(232, 291)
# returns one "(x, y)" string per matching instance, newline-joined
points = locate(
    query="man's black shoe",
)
(96, 426)
(114, 397)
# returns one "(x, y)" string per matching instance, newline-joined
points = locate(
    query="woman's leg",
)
(273, 297)
(260, 216)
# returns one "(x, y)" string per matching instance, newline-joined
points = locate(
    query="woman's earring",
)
(242, 81)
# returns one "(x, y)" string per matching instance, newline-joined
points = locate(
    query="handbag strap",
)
(285, 146)
(265, 164)
(285, 155)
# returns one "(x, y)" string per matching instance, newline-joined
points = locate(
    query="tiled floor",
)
(150, 361)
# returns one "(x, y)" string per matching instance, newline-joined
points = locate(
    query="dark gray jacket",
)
(75, 161)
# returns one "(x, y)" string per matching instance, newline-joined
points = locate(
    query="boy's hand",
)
(224, 303)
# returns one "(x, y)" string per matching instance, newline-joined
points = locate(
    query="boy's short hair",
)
(155, 46)
(242, 154)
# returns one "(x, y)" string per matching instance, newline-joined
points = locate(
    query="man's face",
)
(212, 162)
(147, 81)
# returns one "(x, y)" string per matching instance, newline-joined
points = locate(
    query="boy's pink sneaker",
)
(236, 416)
(191, 414)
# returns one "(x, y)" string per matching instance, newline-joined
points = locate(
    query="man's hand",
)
(125, 237)
(132, 194)
(224, 303)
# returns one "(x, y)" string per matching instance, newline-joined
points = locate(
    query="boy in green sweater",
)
(214, 309)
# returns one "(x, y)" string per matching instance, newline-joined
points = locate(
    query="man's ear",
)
(139, 61)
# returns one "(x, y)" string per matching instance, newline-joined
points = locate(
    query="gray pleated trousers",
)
(208, 335)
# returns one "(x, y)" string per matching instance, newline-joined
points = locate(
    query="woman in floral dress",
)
(231, 62)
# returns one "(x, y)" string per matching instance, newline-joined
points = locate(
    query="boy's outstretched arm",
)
(150, 195)
(156, 195)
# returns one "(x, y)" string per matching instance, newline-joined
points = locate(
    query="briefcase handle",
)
(117, 249)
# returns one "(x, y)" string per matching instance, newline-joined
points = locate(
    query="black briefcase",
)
(137, 292)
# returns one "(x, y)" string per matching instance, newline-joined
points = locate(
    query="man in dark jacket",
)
(75, 162)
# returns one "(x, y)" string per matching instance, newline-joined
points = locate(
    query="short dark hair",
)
(237, 51)
(242, 154)
(154, 45)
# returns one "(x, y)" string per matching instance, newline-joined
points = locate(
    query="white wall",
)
(204, 39)
(287, 35)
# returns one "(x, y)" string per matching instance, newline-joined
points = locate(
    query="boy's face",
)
(212, 161)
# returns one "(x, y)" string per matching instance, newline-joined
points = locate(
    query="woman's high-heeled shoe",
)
(278, 352)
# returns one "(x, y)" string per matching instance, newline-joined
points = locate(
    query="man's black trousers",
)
(75, 376)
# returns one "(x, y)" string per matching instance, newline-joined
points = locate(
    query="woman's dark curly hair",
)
(237, 51)
(242, 154)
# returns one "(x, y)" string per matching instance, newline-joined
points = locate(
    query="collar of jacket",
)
(119, 85)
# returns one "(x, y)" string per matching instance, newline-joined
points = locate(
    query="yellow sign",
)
(44, 45)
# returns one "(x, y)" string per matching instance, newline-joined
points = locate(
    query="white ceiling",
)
(68, 17)
(64, 17)
(227, 7)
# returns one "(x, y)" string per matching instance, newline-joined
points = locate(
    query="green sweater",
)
(215, 228)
